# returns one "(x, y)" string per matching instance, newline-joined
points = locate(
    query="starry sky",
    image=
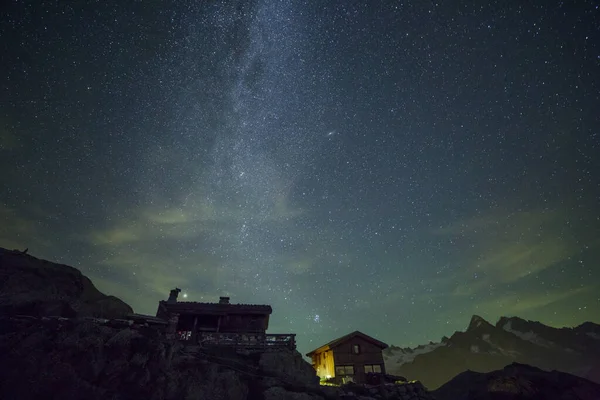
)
(391, 167)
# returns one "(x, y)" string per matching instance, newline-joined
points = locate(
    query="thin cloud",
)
(518, 304)
(506, 249)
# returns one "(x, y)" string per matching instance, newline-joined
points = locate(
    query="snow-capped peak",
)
(397, 356)
(476, 322)
(529, 336)
(593, 335)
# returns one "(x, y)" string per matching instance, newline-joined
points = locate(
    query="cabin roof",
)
(194, 307)
(345, 338)
(146, 318)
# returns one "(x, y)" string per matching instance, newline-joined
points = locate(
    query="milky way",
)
(392, 169)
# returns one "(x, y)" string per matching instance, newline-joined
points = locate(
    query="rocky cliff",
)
(484, 347)
(31, 286)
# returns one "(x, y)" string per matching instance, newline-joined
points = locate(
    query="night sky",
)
(389, 167)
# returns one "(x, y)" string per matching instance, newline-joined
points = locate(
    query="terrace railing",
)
(247, 341)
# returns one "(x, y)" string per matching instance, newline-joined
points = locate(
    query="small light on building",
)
(185, 295)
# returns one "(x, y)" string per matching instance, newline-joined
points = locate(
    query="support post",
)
(194, 331)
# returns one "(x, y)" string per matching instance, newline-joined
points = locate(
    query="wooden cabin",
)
(221, 323)
(352, 357)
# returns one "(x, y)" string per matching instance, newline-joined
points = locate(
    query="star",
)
(203, 148)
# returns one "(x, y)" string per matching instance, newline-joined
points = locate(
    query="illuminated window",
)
(376, 368)
(344, 370)
(356, 349)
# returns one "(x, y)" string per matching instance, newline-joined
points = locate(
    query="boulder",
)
(289, 366)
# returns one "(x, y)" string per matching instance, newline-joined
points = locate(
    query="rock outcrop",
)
(291, 365)
(518, 382)
(74, 359)
(31, 286)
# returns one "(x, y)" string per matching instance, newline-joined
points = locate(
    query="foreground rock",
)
(67, 359)
(31, 286)
(484, 347)
(406, 391)
(518, 382)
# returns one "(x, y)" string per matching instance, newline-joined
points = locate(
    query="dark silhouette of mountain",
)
(518, 382)
(484, 347)
(35, 287)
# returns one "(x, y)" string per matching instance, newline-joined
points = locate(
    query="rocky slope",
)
(70, 359)
(31, 286)
(518, 382)
(484, 347)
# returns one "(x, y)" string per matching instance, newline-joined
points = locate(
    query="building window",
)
(356, 349)
(344, 370)
(184, 335)
(376, 368)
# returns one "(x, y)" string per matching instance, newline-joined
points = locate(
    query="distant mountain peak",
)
(505, 320)
(477, 322)
(484, 347)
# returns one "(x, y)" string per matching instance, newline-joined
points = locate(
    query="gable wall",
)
(369, 354)
(324, 365)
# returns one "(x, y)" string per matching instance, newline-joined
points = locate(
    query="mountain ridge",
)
(517, 381)
(485, 347)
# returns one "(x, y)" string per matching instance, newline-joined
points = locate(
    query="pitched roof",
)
(146, 318)
(344, 338)
(216, 308)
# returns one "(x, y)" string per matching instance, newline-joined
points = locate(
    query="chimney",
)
(223, 300)
(173, 295)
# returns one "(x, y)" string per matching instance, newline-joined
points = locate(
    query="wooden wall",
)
(369, 354)
(224, 323)
(243, 323)
(324, 364)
